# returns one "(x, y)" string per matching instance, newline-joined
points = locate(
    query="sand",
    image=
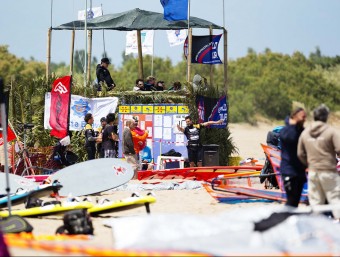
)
(247, 138)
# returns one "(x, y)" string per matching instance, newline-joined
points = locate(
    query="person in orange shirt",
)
(139, 137)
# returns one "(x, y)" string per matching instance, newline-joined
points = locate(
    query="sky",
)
(283, 26)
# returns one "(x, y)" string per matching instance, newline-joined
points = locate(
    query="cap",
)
(135, 118)
(102, 119)
(105, 60)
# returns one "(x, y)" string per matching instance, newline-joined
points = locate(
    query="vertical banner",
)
(204, 49)
(132, 44)
(60, 105)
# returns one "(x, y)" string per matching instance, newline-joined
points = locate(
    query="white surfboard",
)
(93, 176)
(15, 182)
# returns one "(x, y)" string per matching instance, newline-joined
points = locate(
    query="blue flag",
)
(175, 10)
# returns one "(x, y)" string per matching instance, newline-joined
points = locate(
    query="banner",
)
(60, 104)
(132, 43)
(212, 109)
(204, 49)
(99, 107)
(91, 13)
(176, 37)
(175, 10)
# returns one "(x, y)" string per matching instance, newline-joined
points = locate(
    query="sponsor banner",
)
(204, 49)
(212, 109)
(99, 107)
(132, 43)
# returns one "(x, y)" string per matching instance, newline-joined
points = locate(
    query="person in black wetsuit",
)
(90, 138)
(194, 146)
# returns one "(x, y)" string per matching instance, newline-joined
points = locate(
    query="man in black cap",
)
(103, 74)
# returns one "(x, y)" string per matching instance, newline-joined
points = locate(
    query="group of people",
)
(150, 84)
(103, 77)
(315, 149)
(103, 142)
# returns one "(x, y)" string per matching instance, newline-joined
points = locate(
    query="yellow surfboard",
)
(51, 209)
(127, 203)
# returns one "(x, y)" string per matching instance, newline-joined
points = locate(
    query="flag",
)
(10, 135)
(204, 49)
(91, 13)
(175, 10)
(60, 105)
(212, 109)
(176, 37)
(132, 44)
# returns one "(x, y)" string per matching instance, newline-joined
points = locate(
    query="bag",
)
(15, 224)
(76, 222)
(172, 152)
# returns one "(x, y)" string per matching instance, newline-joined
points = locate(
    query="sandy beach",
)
(196, 201)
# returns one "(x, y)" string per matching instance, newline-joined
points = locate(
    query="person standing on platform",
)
(293, 172)
(103, 75)
(90, 138)
(318, 146)
(194, 146)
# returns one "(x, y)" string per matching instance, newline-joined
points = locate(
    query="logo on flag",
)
(204, 49)
(175, 10)
(176, 37)
(91, 13)
(60, 88)
(10, 135)
(132, 44)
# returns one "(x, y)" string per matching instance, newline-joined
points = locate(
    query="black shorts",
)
(194, 153)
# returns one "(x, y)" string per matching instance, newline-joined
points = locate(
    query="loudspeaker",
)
(210, 158)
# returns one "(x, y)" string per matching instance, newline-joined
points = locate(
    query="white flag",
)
(176, 37)
(91, 13)
(132, 45)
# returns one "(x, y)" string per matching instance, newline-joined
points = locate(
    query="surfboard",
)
(23, 195)
(124, 204)
(93, 176)
(52, 209)
(15, 182)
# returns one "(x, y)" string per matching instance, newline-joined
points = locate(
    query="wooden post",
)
(72, 51)
(140, 55)
(225, 65)
(189, 54)
(89, 54)
(211, 66)
(48, 61)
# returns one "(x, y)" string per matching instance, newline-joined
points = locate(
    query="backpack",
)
(273, 137)
(76, 222)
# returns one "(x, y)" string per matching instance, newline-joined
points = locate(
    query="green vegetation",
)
(259, 84)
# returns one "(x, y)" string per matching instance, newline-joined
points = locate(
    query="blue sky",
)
(283, 26)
